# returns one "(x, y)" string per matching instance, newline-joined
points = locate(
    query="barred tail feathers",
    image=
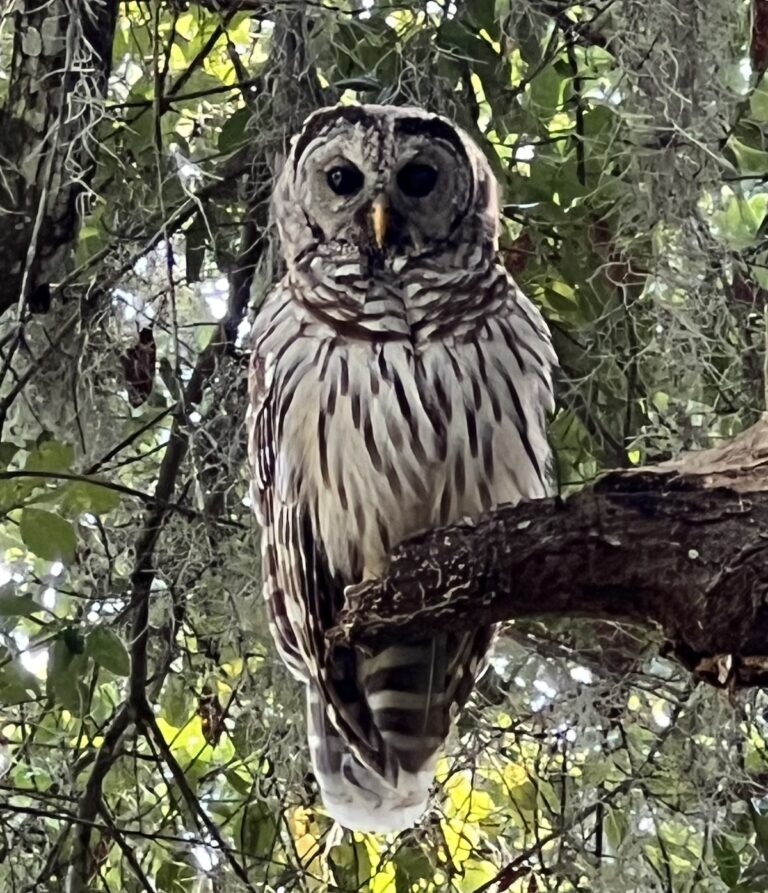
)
(352, 793)
(405, 696)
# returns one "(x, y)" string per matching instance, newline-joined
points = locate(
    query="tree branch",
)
(683, 545)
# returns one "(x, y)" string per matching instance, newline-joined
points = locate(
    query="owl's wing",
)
(302, 594)
(261, 451)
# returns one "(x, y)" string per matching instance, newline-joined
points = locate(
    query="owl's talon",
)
(355, 591)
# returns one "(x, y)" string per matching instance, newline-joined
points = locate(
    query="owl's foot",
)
(355, 591)
(347, 617)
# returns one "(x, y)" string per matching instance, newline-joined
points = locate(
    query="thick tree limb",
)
(683, 545)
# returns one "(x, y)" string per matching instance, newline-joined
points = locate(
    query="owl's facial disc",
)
(407, 206)
(376, 183)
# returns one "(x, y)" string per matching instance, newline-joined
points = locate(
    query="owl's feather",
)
(386, 401)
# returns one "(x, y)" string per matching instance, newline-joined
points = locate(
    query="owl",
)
(399, 381)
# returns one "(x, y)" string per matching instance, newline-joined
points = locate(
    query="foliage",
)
(149, 738)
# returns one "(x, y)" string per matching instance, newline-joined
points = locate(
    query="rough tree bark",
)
(683, 545)
(59, 72)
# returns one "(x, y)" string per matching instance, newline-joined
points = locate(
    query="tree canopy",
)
(150, 739)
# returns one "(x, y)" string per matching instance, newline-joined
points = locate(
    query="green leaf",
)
(741, 218)
(7, 451)
(199, 81)
(17, 684)
(48, 535)
(726, 859)
(233, 133)
(67, 665)
(351, 865)
(258, 830)
(758, 103)
(616, 827)
(244, 737)
(140, 133)
(176, 876)
(481, 14)
(58, 661)
(176, 702)
(749, 159)
(84, 496)
(13, 605)
(600, 123)
(528, 34)
(411, 866)
(492, 69)
(546, 92)
(50, 456)
(107, 649)
(477, 873)
(241, 785)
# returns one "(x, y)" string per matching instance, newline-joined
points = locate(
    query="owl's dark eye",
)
(416, 180)
(345, 179)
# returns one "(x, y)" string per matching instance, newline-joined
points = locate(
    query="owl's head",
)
(383, 181)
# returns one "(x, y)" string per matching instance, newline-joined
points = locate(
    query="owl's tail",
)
(353, 794)
(403, 697)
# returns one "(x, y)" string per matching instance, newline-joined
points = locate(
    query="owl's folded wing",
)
(302, 593)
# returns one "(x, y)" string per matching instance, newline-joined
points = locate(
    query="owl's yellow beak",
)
(380, 220)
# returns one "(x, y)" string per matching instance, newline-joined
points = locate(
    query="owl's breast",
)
(383, 439)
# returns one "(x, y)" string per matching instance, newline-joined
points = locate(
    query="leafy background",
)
(149, 738)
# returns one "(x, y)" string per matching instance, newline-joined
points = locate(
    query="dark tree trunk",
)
(59, 72)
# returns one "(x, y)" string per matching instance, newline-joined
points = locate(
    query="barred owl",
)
(399, 381)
